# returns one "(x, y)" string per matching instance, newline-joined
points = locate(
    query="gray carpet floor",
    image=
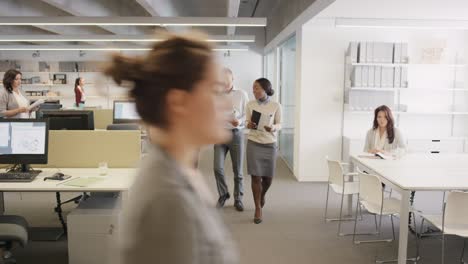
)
(293, 230)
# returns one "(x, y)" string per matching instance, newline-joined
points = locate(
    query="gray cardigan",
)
(398, 141)
(8, 102)
(166, 221)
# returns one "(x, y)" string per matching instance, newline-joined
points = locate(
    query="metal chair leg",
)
(415, 259)
(463, 251)
(393, 226)
(355, 222)
(443, 249)
(326, 202)
(378, 230)
(341, 214)
(417, 239)
(326, 211)
(376, 227)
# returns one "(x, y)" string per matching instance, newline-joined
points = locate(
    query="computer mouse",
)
(58, 175)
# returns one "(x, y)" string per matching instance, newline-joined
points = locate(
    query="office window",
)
(287, 80)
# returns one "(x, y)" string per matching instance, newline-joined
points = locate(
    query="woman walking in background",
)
(261, 144)
(80, 96)
(170, 216)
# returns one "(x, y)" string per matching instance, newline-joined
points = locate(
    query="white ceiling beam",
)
(75, 8)
(232, 11)
(114, 38)
(101, 48)
(159, 8)
(135, 21)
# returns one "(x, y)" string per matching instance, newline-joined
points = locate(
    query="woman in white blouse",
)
(13, 103)
(261, 144)
(383, 137)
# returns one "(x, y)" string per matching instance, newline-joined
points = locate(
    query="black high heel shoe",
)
(257, 220)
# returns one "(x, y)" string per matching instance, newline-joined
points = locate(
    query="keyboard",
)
(18, 176)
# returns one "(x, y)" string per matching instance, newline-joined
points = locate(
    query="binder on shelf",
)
(391, 76)
(397, 53)
(365, 76)
(377, 76)
(369, 51)
(353, 51)
(388, 52)
(387, 77)
(378, 52)
(397, 77)
(404, 53)
(370, 76)
(383, 77)
(357, 76)
(362, 52)
(404, 78)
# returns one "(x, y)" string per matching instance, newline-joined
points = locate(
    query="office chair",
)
(339, 182)
(371, 197)
(452, 221)
(13, 230)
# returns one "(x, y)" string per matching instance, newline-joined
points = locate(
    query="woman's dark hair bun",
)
(124, 69)
(266, 85)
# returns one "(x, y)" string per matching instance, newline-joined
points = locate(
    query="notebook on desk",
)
(82, 182)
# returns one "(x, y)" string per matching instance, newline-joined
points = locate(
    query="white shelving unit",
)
(102, 96)
(433, 107)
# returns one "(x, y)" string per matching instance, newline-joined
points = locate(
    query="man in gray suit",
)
(235, 147)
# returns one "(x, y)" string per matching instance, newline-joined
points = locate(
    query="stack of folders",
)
(379, 77)
(379, 53)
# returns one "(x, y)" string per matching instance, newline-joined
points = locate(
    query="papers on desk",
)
(378, 155)
(83, 182)
(36, 104)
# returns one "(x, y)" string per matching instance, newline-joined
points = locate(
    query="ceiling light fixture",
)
(134, 21)
(401, 23)
(113, 38)
(98, 48)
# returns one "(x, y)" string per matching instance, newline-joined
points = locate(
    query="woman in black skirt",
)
(264, 122)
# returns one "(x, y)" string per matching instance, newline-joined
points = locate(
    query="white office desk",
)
(413, 172)
(116, 180)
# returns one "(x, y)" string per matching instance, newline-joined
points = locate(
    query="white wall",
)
(410, 9)
(246, 67)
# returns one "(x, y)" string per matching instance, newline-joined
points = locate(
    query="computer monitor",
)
(24, 141)
(69, 119)
(47, 106)
(125, 112)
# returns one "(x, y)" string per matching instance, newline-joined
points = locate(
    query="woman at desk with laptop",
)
(170, 215)
(13, 102)
(383, 137)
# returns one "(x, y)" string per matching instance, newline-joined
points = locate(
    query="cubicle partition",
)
(87, 148)
(102, 118)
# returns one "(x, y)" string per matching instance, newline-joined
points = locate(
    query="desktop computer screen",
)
(23, 141)
(125, 112)
(68, 119)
